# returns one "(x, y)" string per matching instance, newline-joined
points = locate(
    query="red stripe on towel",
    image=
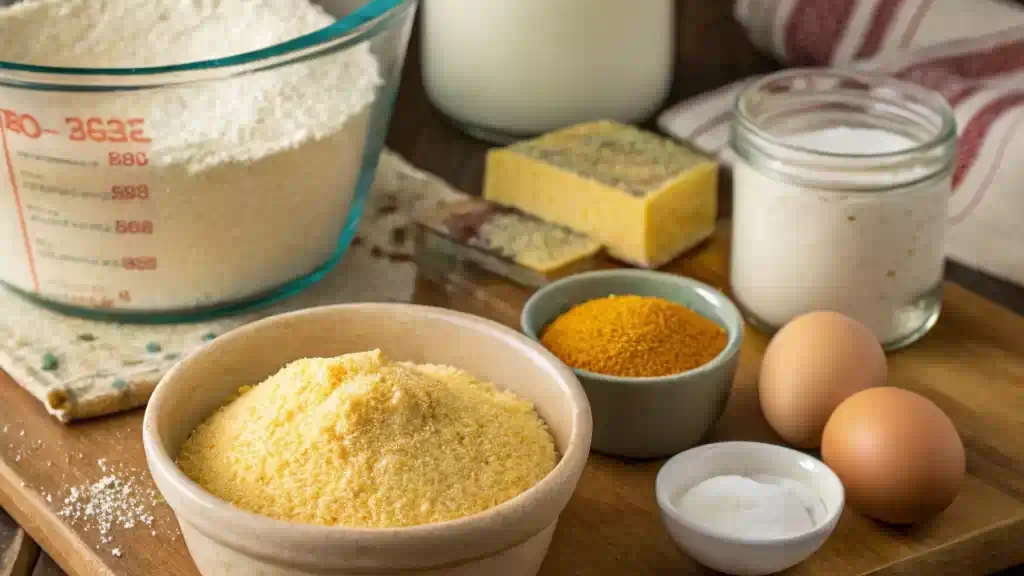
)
(814, 30)
(880, 26)
(990, 176)
(980, 64)
(977, 130)
(961, 96)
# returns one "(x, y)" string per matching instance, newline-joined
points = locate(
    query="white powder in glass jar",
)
(877, 256)
(846, 140)
(247, 181)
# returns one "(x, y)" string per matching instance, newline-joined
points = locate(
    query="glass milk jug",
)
(510, 69)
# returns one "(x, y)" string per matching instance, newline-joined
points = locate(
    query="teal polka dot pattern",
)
(95, 368)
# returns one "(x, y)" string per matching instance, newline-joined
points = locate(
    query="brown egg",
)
(812, 365)
(898, 454)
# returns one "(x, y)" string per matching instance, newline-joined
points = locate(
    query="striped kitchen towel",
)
(971, 51)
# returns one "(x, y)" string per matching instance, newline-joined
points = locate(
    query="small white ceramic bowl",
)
(508, 540)
(738, 555)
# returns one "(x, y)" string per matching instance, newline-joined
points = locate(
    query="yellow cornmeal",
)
(362, 441)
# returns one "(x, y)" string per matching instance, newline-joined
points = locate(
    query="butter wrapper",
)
(504, 241)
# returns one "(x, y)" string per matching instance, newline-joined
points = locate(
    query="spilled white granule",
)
(119, 501)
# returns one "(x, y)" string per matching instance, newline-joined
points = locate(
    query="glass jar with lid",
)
(840, 183)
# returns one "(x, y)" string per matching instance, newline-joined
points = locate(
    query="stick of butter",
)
(503, 241)
(645, 198)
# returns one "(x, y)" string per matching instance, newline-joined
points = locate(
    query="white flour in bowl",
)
(246, 182)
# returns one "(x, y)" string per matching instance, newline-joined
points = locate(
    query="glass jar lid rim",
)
(935, 101)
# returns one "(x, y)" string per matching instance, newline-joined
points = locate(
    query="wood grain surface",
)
(972, 365)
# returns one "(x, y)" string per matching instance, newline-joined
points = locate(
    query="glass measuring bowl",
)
(114, 206)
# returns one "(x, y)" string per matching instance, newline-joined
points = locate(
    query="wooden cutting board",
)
(972, 365)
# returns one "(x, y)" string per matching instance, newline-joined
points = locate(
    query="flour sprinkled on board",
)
(123, 499)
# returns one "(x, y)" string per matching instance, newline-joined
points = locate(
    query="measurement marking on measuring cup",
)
(17, 200)
(43, 155)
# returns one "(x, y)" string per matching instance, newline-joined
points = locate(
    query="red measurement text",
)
(141, 263)
(134, 227)
(136, 192)
(128, 159)
(93, 129)
(107, 130)
(21, 123)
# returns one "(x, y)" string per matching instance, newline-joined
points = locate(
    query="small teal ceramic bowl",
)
(645, 418)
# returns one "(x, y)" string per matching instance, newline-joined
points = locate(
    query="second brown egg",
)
(899, 455)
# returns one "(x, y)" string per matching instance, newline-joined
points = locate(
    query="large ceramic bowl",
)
(648, 417)
(508, 540)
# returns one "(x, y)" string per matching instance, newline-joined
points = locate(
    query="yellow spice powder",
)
(363, 441)
(634, 336)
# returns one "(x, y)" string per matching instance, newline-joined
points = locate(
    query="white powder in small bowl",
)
(758, 507)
